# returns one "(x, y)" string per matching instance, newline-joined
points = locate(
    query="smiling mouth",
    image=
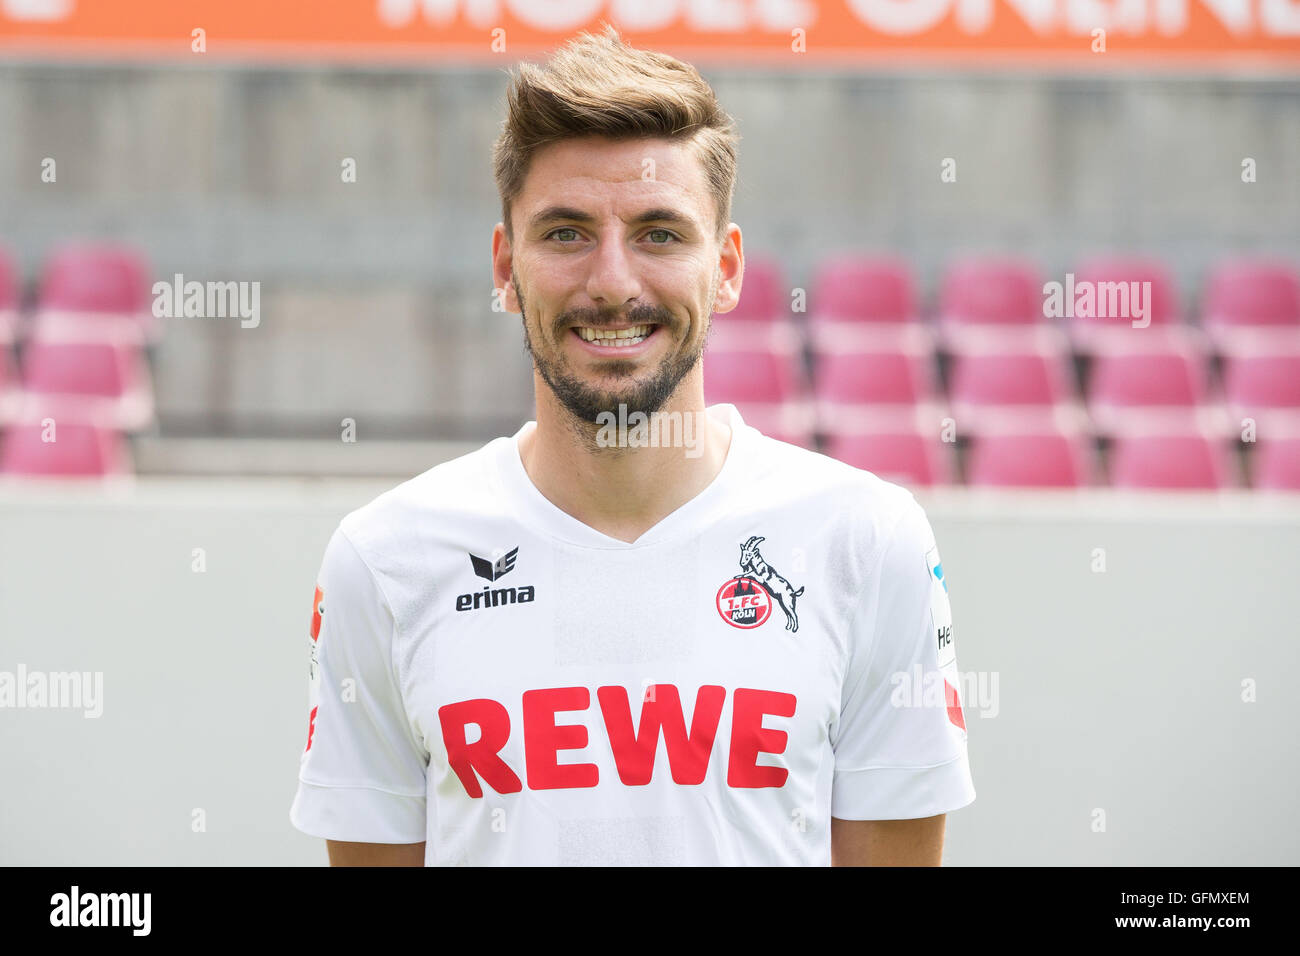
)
(614, 339)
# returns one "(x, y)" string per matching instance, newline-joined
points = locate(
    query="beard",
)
(587, 402)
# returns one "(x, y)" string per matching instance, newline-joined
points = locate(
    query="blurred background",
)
(1113, 490)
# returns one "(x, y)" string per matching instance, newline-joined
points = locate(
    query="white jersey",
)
(496, 678)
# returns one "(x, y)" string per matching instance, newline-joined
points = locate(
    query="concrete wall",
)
(377, 293)
(1118, 690)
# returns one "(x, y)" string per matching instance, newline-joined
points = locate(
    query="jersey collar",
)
(536, 511)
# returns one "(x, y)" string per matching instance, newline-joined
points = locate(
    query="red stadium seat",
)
(764, 296)
(766, 386)
(1253, 306)
(1030, 460)
(1108, 325)
(991, 290)
(95, 278)
(1024, 391)
(1265, 389)
(8, 299)
(103, 382)
(857, 390)
(989, 303)
(908, 457)
(1016, 379)
(77, 449)
(95, 290)
(864, 302)
(886, 377)
(733, 375)
(1185, 462)
(857, 288)
(1276, 464)
(1152, 393)
(10, 394)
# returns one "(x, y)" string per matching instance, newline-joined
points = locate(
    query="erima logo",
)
(938, 576)
(494, 597)
(486, 569)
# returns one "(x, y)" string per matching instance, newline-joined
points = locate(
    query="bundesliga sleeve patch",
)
(313, 671)
(941, 629)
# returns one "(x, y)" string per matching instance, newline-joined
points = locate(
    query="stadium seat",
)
(1141, 393)
(1108, 326)
(856, 390)
(886, 377)
(854, 288)
(994, 302)
(1265, 389)
(8, 299)
(1252, 306)
(1276, 464)
(10, 394)
(95, 291)
(103, 382)
(76, 449)
(762, 318)
(1172, 462)
(907, 457)
(1022, 391)
(1052, 459)
(766, 386)
(763, 292)
(991, 290)
(864, 302)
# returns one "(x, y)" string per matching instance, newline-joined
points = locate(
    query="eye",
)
(554, 232)
(661, 232)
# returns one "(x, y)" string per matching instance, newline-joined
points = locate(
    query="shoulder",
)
(871, 505)
(406, 518)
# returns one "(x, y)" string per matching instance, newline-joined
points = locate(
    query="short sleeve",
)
(900, 737)
(361, 776)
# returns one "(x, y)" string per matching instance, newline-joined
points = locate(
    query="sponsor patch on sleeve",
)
(941, 631)
(313, 671)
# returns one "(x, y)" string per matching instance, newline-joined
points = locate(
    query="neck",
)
(600, 476)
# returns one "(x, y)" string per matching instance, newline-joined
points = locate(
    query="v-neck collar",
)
(538, 511)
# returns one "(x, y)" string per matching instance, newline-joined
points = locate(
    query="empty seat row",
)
(1247, 304)
(1054, 459)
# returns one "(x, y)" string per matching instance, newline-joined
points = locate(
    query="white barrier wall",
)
(1107, 642)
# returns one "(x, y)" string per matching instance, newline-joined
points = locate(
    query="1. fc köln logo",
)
(746, 600)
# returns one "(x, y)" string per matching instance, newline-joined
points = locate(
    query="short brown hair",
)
(600, 86)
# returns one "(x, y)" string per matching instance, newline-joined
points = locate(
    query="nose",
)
(612, 282)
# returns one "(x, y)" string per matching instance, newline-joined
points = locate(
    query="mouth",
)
(614, 339)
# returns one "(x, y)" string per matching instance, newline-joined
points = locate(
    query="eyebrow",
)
(570, 214)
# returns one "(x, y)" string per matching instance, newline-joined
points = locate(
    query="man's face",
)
(616, 236)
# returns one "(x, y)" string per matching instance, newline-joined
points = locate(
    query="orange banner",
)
(782, 33)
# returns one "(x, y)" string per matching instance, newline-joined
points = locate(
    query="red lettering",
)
(543, 739)
(311, 726)
(484, 754)
(315, 613)
(634, 752)
(749, 738)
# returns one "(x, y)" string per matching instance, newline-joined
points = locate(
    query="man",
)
(601, 642)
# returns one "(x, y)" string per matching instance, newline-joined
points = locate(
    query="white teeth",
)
(620, 338)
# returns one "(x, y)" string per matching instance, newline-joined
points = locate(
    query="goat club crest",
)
(746, 599)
